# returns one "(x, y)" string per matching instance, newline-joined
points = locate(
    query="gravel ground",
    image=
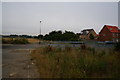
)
(16, 62)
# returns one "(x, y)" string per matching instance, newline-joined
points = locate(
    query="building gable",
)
(86, 33)
(109, 33)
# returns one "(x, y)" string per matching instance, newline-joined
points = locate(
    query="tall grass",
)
(75, 63)
(117, 46)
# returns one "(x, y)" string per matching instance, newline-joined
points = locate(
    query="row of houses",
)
(107, 33)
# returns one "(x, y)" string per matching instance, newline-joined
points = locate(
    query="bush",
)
(20, 41)
(15, 41)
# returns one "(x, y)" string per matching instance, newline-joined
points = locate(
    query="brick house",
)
(109, 33)
(85, 34)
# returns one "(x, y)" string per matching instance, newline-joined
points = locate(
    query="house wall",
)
(92, 32)
(83, 37)
(119, 35)
(116, 37)
(88, 36)
(105, 35)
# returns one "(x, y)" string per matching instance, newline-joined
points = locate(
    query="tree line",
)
(53, 35)
(61, 36)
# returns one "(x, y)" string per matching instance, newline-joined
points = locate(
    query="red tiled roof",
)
(112, 28)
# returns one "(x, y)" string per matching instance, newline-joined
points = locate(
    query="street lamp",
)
(40, 27)
(40, 32)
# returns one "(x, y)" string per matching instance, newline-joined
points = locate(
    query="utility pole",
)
(40, 27)
(40, 32)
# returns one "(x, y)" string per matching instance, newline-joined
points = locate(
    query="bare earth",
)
(16, 62)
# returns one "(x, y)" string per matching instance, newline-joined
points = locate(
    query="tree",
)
(91, 36)
(40, 36)
(13, 36)
(59, 36)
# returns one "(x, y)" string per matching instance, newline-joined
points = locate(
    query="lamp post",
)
(40, 32)
(40, 27)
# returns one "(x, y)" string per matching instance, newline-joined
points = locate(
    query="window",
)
(110, 28)
(113, 35)
(117, 40)
(117, 34)
(87, 32)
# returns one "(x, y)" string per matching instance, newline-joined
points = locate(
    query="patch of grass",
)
(75, 63)
(117, 47)
(7, 40)
(32, 40)
(15, 41)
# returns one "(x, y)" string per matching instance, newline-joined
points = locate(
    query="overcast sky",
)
(24, 17)
(0, 18)
(119, 14)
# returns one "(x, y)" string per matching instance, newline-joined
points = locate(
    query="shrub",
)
(20, 41)
(91, 36)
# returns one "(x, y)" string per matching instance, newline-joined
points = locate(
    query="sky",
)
(0, 18)
(119, 13)
(25, 17)
(60, 0)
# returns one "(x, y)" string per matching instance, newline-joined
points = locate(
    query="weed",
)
(72, 63)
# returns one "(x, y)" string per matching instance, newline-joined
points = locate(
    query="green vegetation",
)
(60, 36)
(20, 41)
(83, 62)
(91, 36)
(15, 41)
(53, 35)
(117, 47)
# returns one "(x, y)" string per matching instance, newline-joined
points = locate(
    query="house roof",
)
(112, 28)
(87, 30)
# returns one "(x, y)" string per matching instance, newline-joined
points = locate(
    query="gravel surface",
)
(16, 62)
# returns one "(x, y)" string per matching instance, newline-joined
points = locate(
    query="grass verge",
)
(76, 63)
